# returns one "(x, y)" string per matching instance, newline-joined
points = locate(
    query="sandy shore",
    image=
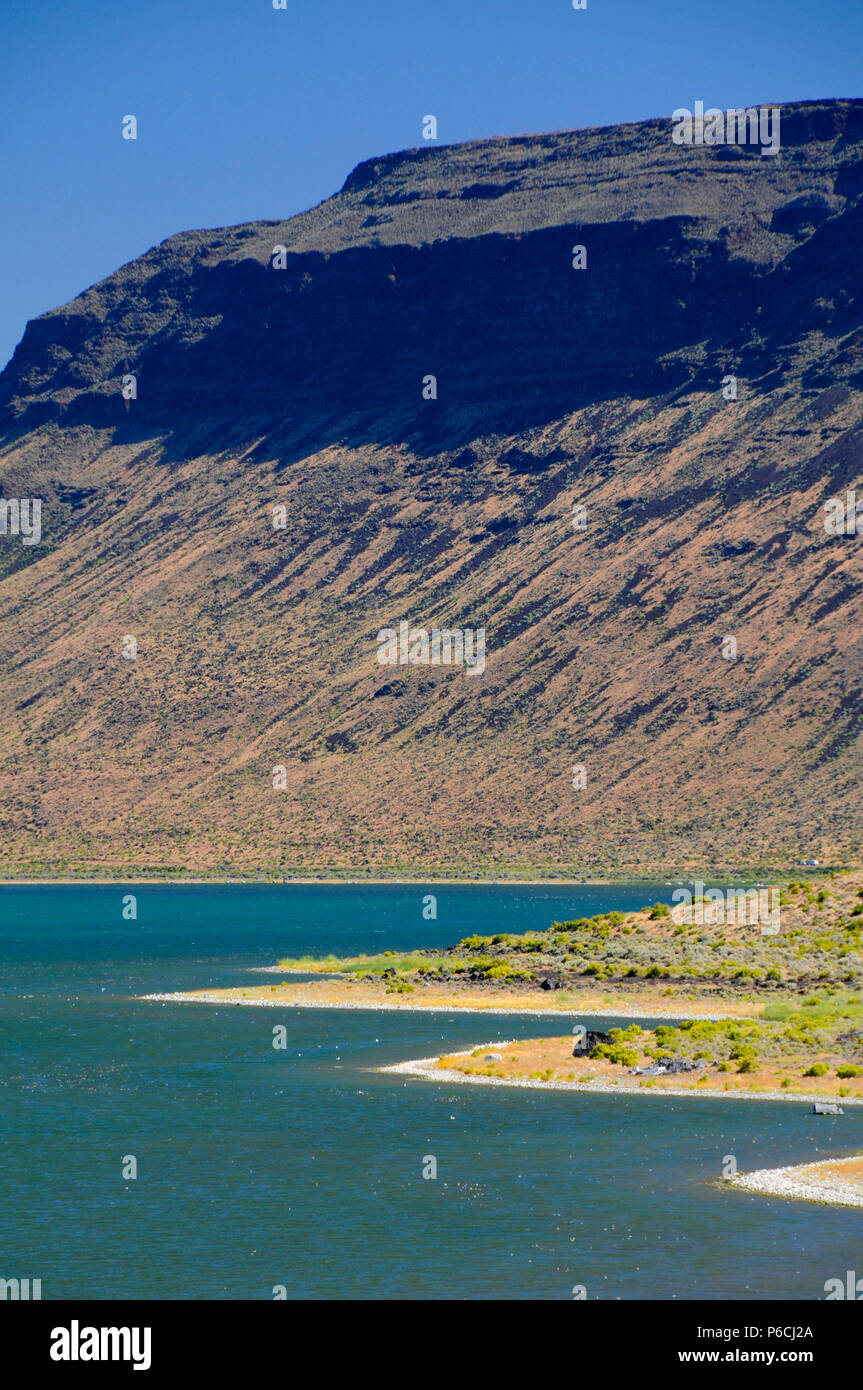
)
(291, 970)
(260, 1002)
(470, 1004)
(427, 1068)
(833, 1182)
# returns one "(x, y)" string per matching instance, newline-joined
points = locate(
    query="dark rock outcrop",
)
(584, 1045)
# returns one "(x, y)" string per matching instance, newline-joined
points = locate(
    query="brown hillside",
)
(303, 387)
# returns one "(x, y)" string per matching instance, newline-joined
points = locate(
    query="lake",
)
(303, 1168)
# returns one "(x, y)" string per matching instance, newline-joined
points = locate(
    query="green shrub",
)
(614, 1052)
(625, 1035)
(501, 972)
(817, 1069)
(665, 1035)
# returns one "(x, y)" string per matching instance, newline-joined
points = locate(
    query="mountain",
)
(302, 387)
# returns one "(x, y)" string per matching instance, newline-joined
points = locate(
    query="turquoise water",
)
(303, 1168)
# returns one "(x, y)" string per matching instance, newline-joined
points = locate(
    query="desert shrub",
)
(625, 1035)
(614, 1052)
(665, 1034)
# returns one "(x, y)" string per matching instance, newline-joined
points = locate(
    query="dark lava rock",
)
(671, 1066)
(585, 1046)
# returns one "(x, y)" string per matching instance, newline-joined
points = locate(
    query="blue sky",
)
(248, 112)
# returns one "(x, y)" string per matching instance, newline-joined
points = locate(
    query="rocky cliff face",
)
(302, 388)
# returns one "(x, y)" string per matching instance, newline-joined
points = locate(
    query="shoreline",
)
(798, 1182)
(708, 877)
(380, 1006)
(426, 1069)
(336, 882)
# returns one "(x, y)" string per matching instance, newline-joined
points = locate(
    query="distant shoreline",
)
(751, 876)
(337, 882)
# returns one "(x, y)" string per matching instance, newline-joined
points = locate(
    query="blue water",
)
(302, 1168)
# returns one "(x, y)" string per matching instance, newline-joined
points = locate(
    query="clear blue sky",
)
(248, 112)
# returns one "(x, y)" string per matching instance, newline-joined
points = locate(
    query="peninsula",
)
(759, 1005)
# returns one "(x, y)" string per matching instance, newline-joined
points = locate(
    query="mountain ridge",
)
(302, 388)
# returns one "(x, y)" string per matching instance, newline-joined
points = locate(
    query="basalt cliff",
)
(417, 385)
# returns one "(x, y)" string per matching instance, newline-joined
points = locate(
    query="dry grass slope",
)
(256, 647)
